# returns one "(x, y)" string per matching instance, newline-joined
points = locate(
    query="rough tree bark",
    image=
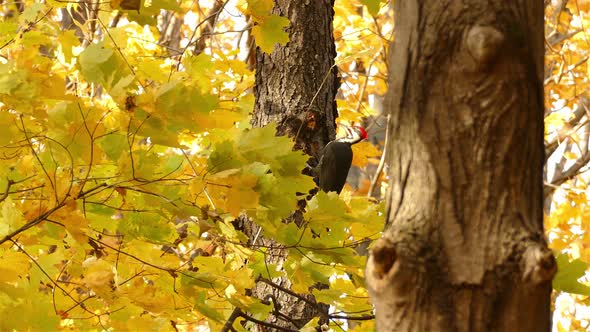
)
(464, 248)
(296, 88)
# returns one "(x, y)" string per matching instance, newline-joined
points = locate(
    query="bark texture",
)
(296, 88)
(464, 248)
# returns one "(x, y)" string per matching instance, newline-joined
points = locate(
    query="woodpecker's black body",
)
(336, 160)
(334, 166)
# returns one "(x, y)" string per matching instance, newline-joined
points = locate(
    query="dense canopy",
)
(127, 154)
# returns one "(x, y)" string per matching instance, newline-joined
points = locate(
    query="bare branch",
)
(381, 162)
(209, 27)
(290, 292)
(578, 113)
(9, 183)
(564, 175)
(228, 326)
(363, 317)
(266, 324)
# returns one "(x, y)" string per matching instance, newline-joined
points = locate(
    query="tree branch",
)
(209, 27)
(363, 317)
(579, 112)
(381, 162)
(288, 291)
(564, 175)
(9, 183)
(31, 223)
(266, 324)
(228, 326)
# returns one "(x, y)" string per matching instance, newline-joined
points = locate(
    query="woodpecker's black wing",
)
(334, 166)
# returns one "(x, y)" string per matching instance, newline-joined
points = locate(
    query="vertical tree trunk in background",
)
(296, 88)
(84, 11)
(464, 248)
(208, 28)
(170, 34)
(296, 85)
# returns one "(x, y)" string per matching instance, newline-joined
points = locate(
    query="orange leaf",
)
(362, 152)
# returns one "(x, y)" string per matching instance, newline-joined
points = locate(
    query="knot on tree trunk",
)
(539, 265)
(383, 256)
(484, 43)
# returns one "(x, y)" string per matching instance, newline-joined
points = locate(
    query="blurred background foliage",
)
(126, 153)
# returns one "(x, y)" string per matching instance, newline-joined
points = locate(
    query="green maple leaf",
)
(149, 226)
(270, 31)
(325, 208)
(11, 218)
(8, 30)
(147, 13)
(262, 145)
(568, 273)
(94, 62)
(10, 79)
(259, 7)
(372, 5)
(114, 145)
(30, 14)
(223, 157)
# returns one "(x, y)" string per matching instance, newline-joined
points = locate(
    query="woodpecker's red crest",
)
(354, 135)
(362, 132)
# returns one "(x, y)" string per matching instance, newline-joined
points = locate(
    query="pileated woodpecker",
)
(336, 159)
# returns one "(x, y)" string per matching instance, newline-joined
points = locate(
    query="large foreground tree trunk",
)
(296, 88)
(464, 248)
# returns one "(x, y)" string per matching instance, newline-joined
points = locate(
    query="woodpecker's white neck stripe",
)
(353, 136)
(350, 140)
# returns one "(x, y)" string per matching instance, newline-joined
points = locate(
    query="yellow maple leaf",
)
(99, 275)
(73, 220)
(362, 152)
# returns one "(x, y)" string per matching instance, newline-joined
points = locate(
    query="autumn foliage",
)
(126, 155)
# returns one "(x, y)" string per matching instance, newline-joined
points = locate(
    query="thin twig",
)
(78, 303)
(366, 83)
(9, 183)
(379, 170)
(31, 223)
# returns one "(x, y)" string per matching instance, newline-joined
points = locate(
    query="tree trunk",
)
(296, 85)
(464, 248)
(296, 88)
